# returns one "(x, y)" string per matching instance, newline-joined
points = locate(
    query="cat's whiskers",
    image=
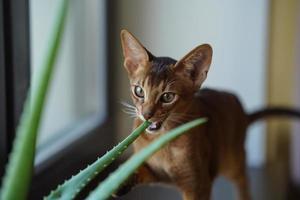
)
(129, 109)
(127, 105)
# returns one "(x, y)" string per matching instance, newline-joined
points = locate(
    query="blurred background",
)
(256, 56)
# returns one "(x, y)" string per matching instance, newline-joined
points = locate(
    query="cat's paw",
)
(122, 191)
(126, 187)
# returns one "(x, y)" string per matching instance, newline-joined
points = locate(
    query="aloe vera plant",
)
(73, 186)
(111, 184)
(70, 188)
(20, 167)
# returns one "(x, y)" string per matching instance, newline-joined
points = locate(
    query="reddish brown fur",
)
(194, 160)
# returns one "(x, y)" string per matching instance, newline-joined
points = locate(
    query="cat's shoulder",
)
(213, 94)
(209, 91)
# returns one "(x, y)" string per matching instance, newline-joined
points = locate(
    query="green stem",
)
(19, 170)
(73, 186)
(111, 184)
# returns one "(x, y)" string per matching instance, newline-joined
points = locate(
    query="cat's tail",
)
(273, 112)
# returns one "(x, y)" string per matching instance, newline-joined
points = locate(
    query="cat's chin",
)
(154, 128)
(150, 132)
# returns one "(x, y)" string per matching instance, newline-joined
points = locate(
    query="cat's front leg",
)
(196, 185)
(197, 195)
(143, 175)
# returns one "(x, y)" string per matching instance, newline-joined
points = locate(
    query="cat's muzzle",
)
(154, 126)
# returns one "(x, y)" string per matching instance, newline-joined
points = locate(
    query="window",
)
(77, 117)
(76, 99)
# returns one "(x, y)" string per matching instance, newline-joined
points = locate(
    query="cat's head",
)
(162, 85)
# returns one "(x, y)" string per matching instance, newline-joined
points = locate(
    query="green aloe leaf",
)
(73, 186)
(19, 170)
(112, 183)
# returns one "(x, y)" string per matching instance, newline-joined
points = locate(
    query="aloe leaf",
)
(20, 167)
(73, 186)
(112, 183)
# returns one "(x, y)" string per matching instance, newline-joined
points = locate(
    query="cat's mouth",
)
(154, 126)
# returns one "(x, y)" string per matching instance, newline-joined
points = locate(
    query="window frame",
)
(14, 85)
(14, 70)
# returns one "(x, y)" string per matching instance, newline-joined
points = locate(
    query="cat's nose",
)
(148, 114)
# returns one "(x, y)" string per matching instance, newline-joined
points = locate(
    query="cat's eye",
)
(167, 97)
(138, 91)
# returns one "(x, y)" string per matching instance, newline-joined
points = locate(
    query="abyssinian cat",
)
(166, 93)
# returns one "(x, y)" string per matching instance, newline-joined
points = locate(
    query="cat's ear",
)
(195, 65)
(136, 56)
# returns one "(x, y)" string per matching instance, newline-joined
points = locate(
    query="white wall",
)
(237, 31)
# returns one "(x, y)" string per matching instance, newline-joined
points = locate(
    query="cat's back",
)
(218, 99)
(223, 108)
(210, 93)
